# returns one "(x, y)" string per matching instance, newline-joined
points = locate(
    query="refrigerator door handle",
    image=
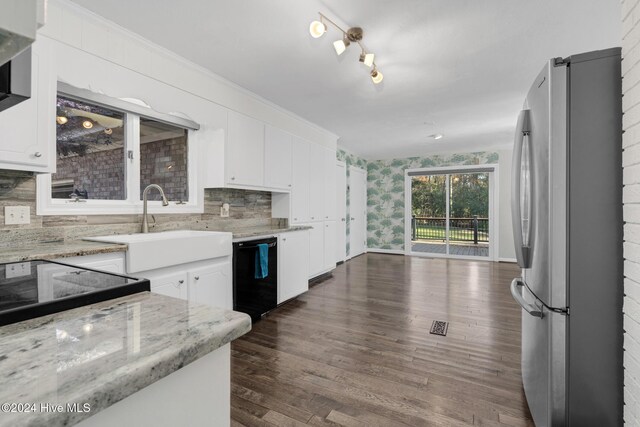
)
(523, 250)
(516, 291)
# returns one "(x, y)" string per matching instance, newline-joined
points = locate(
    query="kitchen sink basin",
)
(149, 251)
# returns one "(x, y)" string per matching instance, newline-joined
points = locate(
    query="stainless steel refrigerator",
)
(567, 222)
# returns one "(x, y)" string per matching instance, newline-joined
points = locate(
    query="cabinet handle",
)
(233, 178)
(343, 219)
(197, 277)
(295, 219)
(313, 217)
(284, 239)
(326, 217)
(181, 281)
(353, 219)
(289, 185)
(37, 154)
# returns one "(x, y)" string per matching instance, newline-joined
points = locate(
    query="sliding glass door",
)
(450, 214)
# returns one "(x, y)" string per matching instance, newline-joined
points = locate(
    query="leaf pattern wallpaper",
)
(385, 193)
(351, 160)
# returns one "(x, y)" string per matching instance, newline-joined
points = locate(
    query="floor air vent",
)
(438, 327)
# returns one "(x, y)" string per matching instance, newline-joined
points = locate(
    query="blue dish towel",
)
(262, 261)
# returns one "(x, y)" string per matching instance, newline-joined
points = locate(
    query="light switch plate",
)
(18, 269)
(17, 215)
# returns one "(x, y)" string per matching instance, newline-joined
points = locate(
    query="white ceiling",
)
(457, 67)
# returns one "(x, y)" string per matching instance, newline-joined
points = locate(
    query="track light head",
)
(367, 58)
(317, 29)
(376, 76)
(341, 45)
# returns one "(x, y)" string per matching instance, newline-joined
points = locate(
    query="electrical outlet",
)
(224, 210)
(18, 269)
(17, 215)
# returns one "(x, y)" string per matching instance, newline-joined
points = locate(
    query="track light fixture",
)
(352, 35)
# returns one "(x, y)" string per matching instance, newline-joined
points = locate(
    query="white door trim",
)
(342, 211)
(494, 225)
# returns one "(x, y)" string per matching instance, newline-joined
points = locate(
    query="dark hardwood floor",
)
(356, 350)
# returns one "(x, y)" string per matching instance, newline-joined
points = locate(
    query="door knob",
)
(37, 154)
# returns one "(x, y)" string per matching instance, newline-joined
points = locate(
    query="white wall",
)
(631, 200)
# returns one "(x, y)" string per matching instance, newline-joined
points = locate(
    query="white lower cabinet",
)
(322, 247)
(330, 237)
(316, 248)
(210, 285)
(293, 264)
(171, 284)
(204, 282)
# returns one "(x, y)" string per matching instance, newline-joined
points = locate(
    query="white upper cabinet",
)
(300, 182)
(317, 178)
(329, 190)
(277, 158)
(27, 130)
(245, 151)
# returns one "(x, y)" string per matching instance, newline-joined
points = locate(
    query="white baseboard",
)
(386, 251)
(507, 260)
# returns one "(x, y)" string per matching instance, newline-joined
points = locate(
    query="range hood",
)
(19, 20)
(15, 80)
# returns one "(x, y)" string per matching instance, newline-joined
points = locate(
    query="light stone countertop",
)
(53, 250)
(64, 249)
(245, 233)
(102, 353)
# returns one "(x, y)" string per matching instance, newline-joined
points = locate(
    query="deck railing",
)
(460, 229)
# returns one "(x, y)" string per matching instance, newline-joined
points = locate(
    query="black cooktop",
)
(35, 288)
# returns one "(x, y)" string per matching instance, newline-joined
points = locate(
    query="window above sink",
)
(108, 150)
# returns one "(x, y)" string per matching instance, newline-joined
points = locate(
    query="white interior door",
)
(357, 211)
(341, 212)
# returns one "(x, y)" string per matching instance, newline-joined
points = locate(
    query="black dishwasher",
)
(252, 295)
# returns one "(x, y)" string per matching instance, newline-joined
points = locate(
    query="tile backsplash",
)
(248, 208)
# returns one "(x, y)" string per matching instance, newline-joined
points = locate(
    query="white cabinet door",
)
(316, 249)
(245, 151)
(293, 264)
(317, 177)
(27, 130)
(330, 237)
(171, 284)
(277, 158)
(300, 184)
(212, 285)
(329, 192)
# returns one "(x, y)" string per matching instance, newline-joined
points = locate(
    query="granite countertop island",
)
(100, 354)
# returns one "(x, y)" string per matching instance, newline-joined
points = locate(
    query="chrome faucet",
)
(165, 202)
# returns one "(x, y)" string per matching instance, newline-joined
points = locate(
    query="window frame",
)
(132, 110)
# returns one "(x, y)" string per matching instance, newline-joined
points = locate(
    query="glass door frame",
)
(492, 170)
